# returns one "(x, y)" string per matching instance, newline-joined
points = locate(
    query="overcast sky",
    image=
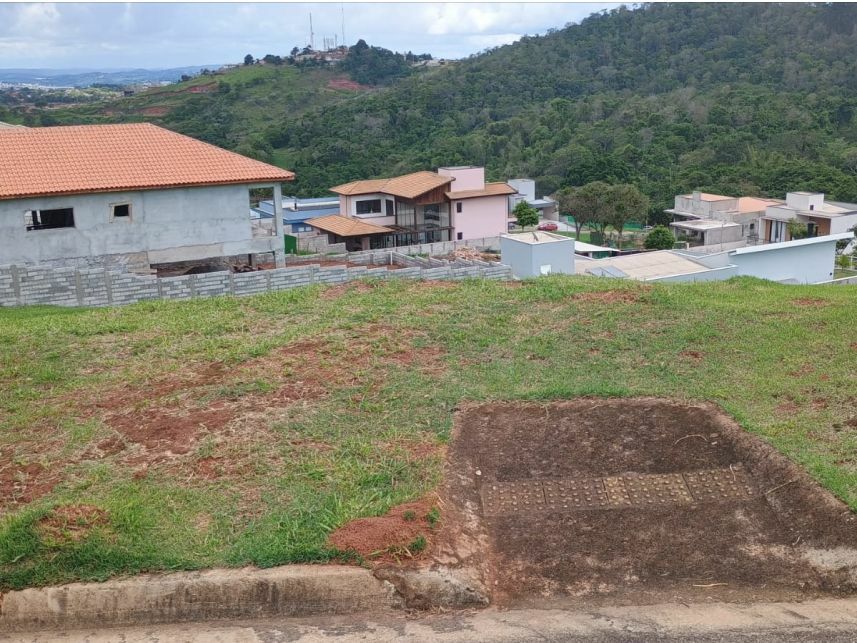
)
(118, 35)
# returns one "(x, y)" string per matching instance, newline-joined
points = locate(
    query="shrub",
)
(660, 238)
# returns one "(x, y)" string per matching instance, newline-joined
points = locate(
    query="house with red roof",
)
(133, 195)
(452, 204)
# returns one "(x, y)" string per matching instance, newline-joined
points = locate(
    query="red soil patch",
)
(609, 296)
(71, 523)
(388, 538)
(809, 301)
(697, 356)
(154, 110)
(786, 408)
(205, 88)
(345, 83)
(169, 432)
(23, 483)
(806, 369)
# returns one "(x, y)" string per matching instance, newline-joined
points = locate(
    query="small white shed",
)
(531, 254)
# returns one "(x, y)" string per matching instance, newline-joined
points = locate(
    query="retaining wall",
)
(28, 285)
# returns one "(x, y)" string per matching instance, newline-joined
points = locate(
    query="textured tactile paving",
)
(720, 484)
(657, 489)
(574, 494)
(616, 492)
(520, 496)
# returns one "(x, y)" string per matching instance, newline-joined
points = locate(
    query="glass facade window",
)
(369, 206)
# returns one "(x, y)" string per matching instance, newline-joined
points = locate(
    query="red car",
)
(548, 226)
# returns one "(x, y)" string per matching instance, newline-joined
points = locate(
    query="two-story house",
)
(454, 203)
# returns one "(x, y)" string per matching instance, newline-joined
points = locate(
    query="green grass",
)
(292, 471)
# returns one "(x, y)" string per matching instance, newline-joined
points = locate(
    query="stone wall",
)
(27, 285)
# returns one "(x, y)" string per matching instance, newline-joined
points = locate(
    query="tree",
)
(797, 229)
(248, 59)
(525, 214)
(628, 204)
(567, 205)
(660, 238)
(295, 51)
(591, 206)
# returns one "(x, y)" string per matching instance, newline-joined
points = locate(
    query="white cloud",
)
(177, 34)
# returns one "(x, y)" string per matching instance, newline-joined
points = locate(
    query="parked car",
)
(548, 226)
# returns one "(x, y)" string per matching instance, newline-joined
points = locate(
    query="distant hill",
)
(233, 109)
(89, 77)
(753, 99)
(733, 98)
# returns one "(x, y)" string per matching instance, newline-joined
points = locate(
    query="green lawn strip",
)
(744, 344)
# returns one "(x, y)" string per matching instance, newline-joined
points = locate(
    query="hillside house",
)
(705, 219)
(133, 195)
(452, 204)
(810, 209)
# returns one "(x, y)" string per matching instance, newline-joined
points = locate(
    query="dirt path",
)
(595, 502)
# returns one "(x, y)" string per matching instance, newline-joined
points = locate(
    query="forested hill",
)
(733, 98)
(749, 98)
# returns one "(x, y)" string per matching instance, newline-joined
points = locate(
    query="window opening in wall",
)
(458, 207)
(47, 219)
(121, 210)
(390, 212)
(261, 202)
(460, 236)
(370, 206)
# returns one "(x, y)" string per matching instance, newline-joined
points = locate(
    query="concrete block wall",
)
(25, 285)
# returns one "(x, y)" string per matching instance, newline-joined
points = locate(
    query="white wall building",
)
(128, 195)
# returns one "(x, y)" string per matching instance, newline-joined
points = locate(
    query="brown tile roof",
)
(409, 186)
(491, 189)
(345, 226)
(42, 161)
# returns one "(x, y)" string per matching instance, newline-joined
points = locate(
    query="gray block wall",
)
(27, 285)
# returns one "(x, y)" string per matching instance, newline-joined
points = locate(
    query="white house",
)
(129, 195)
(800, 261)
(820, 217)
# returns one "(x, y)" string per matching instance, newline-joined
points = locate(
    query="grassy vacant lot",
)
(232, 431)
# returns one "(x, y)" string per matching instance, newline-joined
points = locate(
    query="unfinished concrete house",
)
(133, 196)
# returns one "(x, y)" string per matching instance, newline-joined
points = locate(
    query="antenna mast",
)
(311, 34)
(343, 26)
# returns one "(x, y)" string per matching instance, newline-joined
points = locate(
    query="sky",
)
(121, 35)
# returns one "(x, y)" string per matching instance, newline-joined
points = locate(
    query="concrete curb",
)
(293, 590)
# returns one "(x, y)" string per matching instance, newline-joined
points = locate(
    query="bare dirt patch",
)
(71, 523)
(166, 418)
(402, 535)
(154, 110)
(23, 483)
(346, 83)
(811, 302)
(696, 356)
(609, 296)
(638, 501)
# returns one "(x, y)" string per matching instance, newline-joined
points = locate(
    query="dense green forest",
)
(734, 98)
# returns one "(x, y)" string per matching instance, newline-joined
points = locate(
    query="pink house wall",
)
(484, 216)
(466, 178)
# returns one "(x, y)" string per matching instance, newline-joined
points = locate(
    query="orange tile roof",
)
(756, 204)
(409, 186)
(74, 159)
(491, 189)
(345, 226)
